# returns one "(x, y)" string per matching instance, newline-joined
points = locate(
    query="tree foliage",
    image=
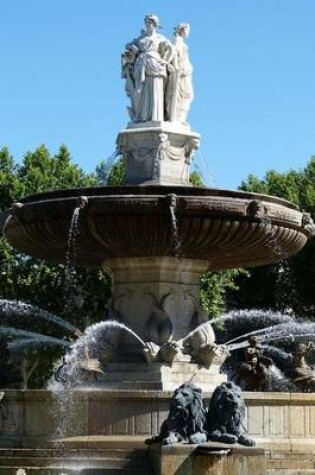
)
(215, 286)
(290, 284)
(31, 280)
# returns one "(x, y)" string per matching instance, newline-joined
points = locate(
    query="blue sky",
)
(254, 77)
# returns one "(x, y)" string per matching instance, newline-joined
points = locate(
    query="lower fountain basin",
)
(225, 228)
(114, 424)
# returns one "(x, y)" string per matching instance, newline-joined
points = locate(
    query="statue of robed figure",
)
(145, 67)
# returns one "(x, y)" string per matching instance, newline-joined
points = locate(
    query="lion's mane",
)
(186, 417)
(225, 417)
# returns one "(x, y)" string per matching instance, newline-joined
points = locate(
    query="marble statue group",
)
(158, 74)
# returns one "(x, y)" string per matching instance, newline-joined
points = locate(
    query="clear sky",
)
(254, 77)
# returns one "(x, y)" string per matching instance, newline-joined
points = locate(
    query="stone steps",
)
(79, 456)
(78, 466)
(294, 471)
(67, 471)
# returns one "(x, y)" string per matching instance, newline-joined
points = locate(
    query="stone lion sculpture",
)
(186, 418)
(226, 415)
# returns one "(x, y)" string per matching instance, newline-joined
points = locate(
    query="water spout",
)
(174, 228)
(71, 253)
(5, 224)
(81, 203)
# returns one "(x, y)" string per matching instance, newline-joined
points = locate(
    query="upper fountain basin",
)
(225, 228)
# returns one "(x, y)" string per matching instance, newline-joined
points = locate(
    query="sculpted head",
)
(301, 349)
(182, 30)
(151, 22)
(253, 340)
(187, 406)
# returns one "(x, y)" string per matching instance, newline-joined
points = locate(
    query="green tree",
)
(111, 172)
(215, 287)
(10, 186)
(290, 283)
(37, 282)
(47, 284)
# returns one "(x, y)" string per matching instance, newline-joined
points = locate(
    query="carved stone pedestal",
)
(158, 298)
(159, 376)
(149, 290)
(207, 459)
(158, 152)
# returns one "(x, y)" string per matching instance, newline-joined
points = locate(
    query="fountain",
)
(154, 236)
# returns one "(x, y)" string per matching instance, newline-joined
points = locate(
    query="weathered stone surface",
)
(146, 289)
(121, 414)
(207, 459)
(134, 222)
(159, 376)
(158, 154)
(262, 411)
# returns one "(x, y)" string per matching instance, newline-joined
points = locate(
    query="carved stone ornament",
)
(114, 221)
(161, 354)
(256, 209)
(157, 155)
(200, 345)
(308, 224)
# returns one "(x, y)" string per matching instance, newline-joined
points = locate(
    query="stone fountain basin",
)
(225, 228)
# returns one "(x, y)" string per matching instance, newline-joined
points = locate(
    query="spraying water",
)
(30, 344)
(5, 224)
(71, 254)
(9, 332)
(15, 310)
(277, 335)
(90, 354)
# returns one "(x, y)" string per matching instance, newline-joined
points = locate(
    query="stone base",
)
(282, 424)
(207, 459)
(157, 153)
(80, 456)
(130, 456)
(158, 376)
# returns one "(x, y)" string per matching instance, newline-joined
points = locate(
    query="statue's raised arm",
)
(145, 68)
